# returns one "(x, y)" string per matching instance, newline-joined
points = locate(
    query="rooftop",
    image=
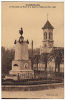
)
(47, 26)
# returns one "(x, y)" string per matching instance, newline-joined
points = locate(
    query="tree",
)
(57, 54)
(34, 56)
(44, 59)
(36, 60)
(7, 57)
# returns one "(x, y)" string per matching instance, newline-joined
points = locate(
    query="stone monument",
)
(21, 65)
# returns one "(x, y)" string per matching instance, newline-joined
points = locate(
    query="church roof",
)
(47, 26)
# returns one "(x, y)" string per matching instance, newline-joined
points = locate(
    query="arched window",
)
(45, 35)
(50, 35)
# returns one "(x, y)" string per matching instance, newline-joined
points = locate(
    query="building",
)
(47, 38)
(49, 51)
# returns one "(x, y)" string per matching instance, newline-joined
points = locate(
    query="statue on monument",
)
(21, 31)
(21, 39)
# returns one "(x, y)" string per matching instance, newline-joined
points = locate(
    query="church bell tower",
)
(47, 38)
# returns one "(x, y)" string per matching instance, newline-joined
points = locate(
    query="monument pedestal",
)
(22, 69)
(23, 74)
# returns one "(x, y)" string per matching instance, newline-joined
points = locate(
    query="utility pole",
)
(32, 54)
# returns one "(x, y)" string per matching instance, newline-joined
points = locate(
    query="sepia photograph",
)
(32, 50)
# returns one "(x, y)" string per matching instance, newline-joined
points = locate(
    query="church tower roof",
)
(47, 26)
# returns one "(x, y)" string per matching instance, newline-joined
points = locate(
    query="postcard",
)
(32, 50)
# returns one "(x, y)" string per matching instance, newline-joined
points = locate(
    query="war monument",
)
(21, 65)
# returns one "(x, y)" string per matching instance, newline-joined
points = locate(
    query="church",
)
(50, 57)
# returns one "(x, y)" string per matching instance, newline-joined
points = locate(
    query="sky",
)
(14, 16)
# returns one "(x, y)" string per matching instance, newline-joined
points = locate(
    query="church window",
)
(45, 35)
(50, 35)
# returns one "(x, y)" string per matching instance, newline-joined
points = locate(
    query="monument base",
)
(22, 69)
(22, 74)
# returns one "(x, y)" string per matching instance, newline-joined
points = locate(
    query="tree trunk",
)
(37, 66)
(58, 67)
(55, 67)
(45, 66)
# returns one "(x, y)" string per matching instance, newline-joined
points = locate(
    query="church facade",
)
(48, 49)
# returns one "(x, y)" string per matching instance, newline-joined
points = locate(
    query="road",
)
(49, 93)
